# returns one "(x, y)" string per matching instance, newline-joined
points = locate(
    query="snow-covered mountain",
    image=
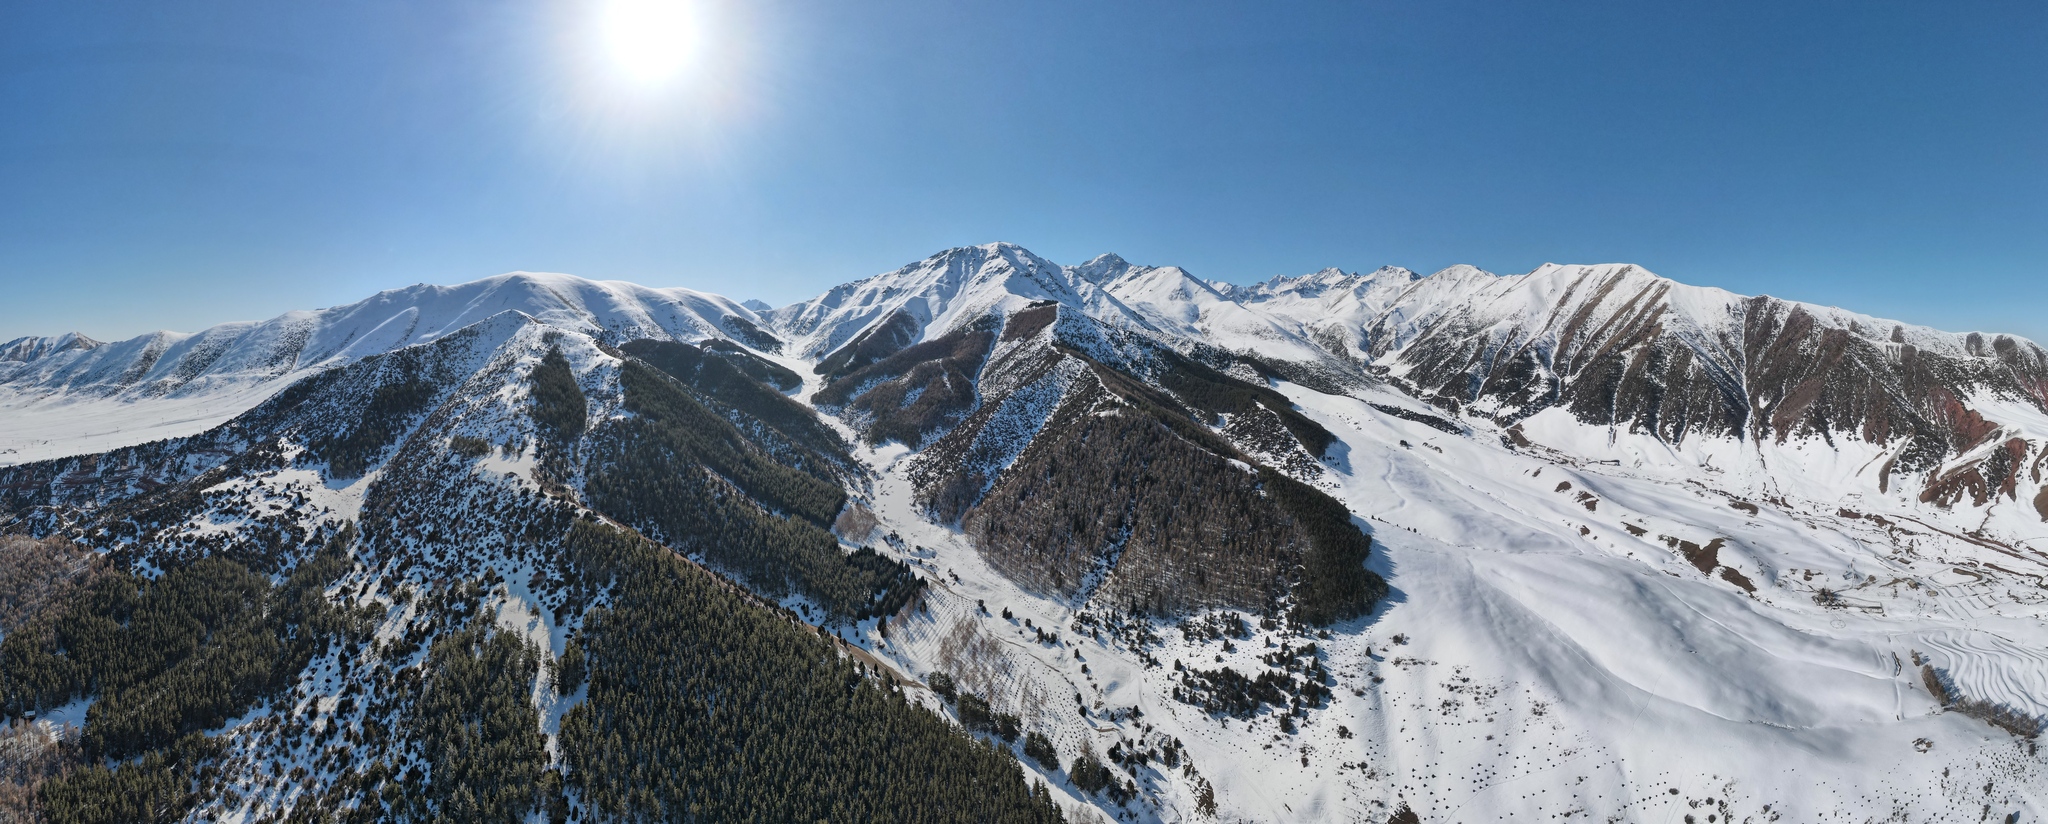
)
(23, 350)
(1701, 374)
(1688, 368)
(1345, 546)
(1702, 433)
(950, 290)
(70, 393)
(1332, 307)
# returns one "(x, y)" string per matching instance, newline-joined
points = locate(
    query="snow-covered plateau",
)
(1651, 552)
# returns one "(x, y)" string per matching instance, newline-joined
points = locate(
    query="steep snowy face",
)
(1184, 308)
(611, 310)
(1507, 347)
(23, 350)
(1584, 336)
(930, 298)
(1103, 269)
(1329, 307)
(1615, 345)
(939, 297)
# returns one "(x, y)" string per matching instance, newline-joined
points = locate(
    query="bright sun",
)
(650, 41)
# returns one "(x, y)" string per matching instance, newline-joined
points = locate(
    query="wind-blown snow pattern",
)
(1658, 553)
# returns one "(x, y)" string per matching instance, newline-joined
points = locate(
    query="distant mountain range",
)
(1343, 546)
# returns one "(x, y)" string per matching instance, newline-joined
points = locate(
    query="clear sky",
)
(175, 165)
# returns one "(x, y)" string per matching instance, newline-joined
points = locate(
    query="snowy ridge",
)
(22, 350)
(953, 288)
(938, 294)
(1557, 307)
(1331, 306)
(65, 397)
(1657, 552)
(1176, 302)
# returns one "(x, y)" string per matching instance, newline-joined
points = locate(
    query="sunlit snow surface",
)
(1549, 670)
(41, 428)
(1560, 658)
(172, 384)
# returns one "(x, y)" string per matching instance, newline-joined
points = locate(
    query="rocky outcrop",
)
(1617, 346)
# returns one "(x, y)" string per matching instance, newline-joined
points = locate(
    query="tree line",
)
(704, 707)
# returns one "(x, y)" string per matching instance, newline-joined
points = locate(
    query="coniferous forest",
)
(758, 719)
(168, 660)
(514, 574)
(672, 469)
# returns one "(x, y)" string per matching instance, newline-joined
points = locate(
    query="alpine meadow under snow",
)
(991, 538)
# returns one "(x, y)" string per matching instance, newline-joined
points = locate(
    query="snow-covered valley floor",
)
(41, 427)
(1550, 651)
(1588, 626)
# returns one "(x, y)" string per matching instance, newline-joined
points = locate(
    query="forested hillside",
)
(987, 538)
(405, 597)
(1135, 480)
(760, 719)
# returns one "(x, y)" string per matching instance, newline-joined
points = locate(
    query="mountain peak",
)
(1463, 270)
(984, 251)
(1317, 283)
(239, 363)
(22, 350)
(1103, 269)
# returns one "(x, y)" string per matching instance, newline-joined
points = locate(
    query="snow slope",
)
(69, 395)
(1540, 658)
(938, 294)
(1591, 618)
(944, 292)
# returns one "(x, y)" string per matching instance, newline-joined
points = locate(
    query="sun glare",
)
(651, 42)
(642, 84)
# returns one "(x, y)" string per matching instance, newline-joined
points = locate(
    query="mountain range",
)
(1377, 546)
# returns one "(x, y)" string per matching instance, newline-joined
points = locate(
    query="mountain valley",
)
(991, 538)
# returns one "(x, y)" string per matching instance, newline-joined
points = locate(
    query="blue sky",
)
(175, 165)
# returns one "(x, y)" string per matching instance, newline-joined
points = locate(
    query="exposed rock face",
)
(1617, 346)
(23, 350)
